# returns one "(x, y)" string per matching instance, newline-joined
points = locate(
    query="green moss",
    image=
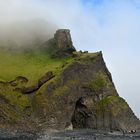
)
(33, 63)
(15, 98)
(114, 104)
(99, 82)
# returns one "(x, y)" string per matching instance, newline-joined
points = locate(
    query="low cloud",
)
(23, 24)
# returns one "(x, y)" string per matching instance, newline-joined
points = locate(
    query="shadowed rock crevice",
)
(45, 78)
(20, 82)
(81, 115)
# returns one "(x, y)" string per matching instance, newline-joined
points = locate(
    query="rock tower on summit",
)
(63, 41)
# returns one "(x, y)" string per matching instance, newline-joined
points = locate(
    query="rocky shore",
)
(85, 134)
(88, 135)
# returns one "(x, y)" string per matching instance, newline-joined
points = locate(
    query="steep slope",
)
(72, 88)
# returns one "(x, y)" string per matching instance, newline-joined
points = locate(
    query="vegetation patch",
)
(15, 98)
(99, 82)
(31, 64)
(115, 104)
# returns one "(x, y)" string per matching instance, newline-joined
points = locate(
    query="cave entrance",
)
(80, 115)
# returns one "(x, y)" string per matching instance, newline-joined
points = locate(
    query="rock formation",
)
(63, 41)
(60, 46)
(81, 95)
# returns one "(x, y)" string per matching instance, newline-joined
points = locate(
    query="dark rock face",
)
(63, 42)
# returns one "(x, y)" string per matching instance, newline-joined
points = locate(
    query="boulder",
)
(49, 75)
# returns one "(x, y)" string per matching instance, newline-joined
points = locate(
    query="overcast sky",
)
(110, 26)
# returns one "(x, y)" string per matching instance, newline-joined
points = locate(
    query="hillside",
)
(54, 86)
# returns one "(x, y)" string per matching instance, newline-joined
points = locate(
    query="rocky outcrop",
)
(63, 41)
(60, 46)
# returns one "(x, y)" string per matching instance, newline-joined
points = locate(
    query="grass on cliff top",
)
(31, 64)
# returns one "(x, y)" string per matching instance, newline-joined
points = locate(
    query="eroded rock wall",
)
(85, 96)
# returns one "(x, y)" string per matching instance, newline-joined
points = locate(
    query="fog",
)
(22, 24)
(26, 33)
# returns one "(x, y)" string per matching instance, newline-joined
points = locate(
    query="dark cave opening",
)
(80, 115)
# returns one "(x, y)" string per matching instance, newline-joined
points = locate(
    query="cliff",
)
(70, 89)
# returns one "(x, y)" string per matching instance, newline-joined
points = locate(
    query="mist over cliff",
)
(24, 24)
(26, 33)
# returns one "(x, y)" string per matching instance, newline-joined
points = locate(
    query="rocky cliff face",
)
(80, 94)
(84, 96)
